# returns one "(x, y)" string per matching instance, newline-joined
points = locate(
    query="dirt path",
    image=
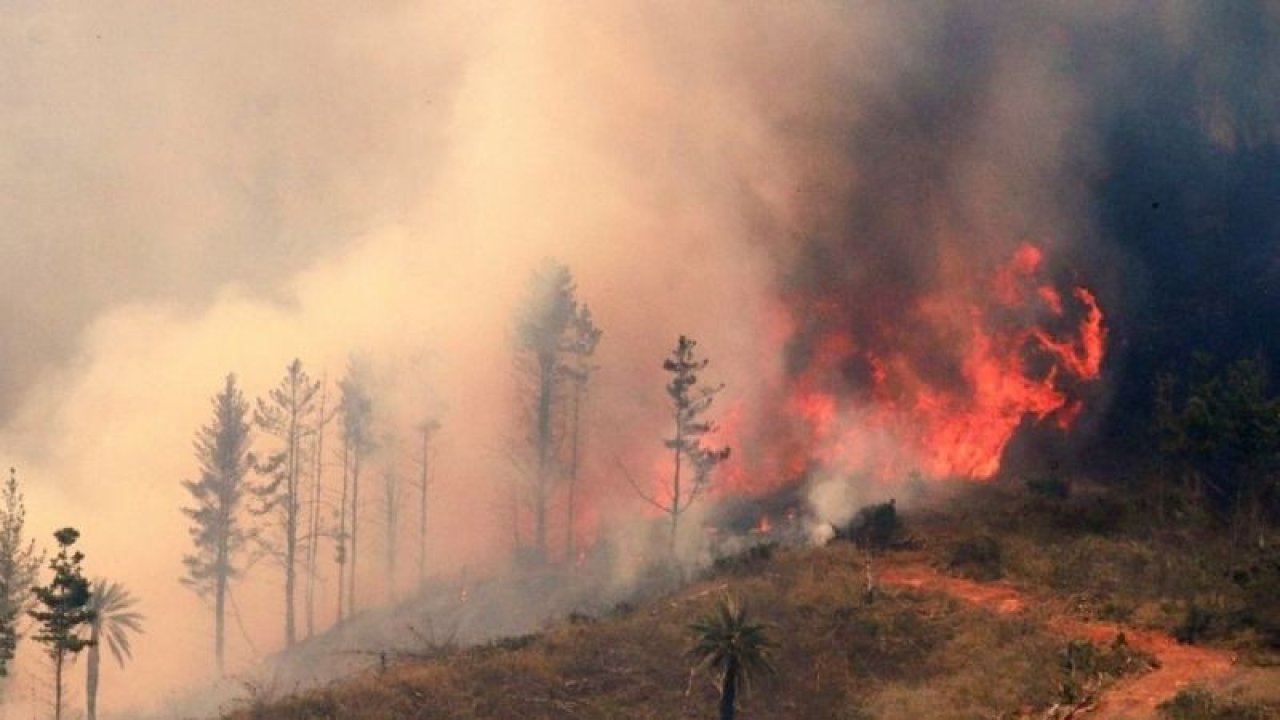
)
(1131, 698)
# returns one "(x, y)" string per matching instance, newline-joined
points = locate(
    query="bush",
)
(746, 561)
(876, 526)
(1052, 486)
(978, 558)
(1199, 704)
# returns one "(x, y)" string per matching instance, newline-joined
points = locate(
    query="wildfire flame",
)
(1016, 348)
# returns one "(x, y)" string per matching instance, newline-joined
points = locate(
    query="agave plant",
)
(114, 621)
(729, 644)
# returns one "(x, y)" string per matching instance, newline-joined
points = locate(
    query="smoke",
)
(200, 190)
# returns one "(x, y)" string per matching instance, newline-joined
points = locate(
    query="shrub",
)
(1200, 704)
(876, 526)
(978, 558)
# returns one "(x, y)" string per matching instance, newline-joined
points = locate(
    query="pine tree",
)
(543, 338)
(688, 404)
(19, 566)
(585, 338)
(429, 428)
(63, 606)
(324, 413)
(217, 530)
(357, 427)
(288, 414)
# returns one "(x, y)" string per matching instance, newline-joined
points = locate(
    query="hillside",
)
(1070, 628)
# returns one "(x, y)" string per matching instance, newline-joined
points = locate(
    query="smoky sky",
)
(1137, 142)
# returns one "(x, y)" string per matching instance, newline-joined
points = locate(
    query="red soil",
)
(1132, 697)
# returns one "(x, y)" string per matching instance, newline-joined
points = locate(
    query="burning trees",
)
(692, 462)
(222, 450)
(288, 414)
(555, 338)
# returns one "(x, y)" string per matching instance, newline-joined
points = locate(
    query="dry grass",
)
(904, 655)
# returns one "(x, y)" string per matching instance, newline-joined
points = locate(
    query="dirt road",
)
(1132, 698)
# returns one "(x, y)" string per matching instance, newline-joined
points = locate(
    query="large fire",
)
(1012, 348)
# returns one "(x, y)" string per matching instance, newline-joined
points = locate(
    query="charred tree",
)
(391, 508)
(429, 428)
(585, 336)
(217, 530)
(544, 338)
(288, 414)
(314, 530)
(692, 462)
(357, 411)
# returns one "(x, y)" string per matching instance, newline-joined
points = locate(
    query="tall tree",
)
(728, 643)
(543, 338)
(218, 531)
(19, 566)
(324, 414)
(391, 525)
(429, 428)
(585, 336)
(114, 619)
(357, 433)
(63, 606)
(689, 403)
(287, 413)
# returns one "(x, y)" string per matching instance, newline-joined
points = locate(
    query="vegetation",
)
(287, 413)
(218, 531)
(357, 442)
(733, 647)
(908, 655)
(113, 619)
(19, 565)
(1200, 704)
(63, 607)
(547, 337)
(688, 405)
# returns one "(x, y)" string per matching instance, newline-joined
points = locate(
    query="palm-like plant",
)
(114, 620)
(727, 642)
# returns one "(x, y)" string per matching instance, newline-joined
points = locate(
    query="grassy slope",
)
(906, 655)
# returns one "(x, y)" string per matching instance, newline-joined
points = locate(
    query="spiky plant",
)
(114, 620)
(729, 644)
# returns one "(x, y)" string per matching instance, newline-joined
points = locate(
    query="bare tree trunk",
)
(391, 496)
(91, 674)
(57, 684)
(573, 474)
(219, 617)
(422, 509)
(355, 530)
(313, 531)
(675, 495)
(342, 530)
(291, 525)
(729, 690)
(546, 387)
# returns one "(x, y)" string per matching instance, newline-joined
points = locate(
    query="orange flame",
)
(1005, 369)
